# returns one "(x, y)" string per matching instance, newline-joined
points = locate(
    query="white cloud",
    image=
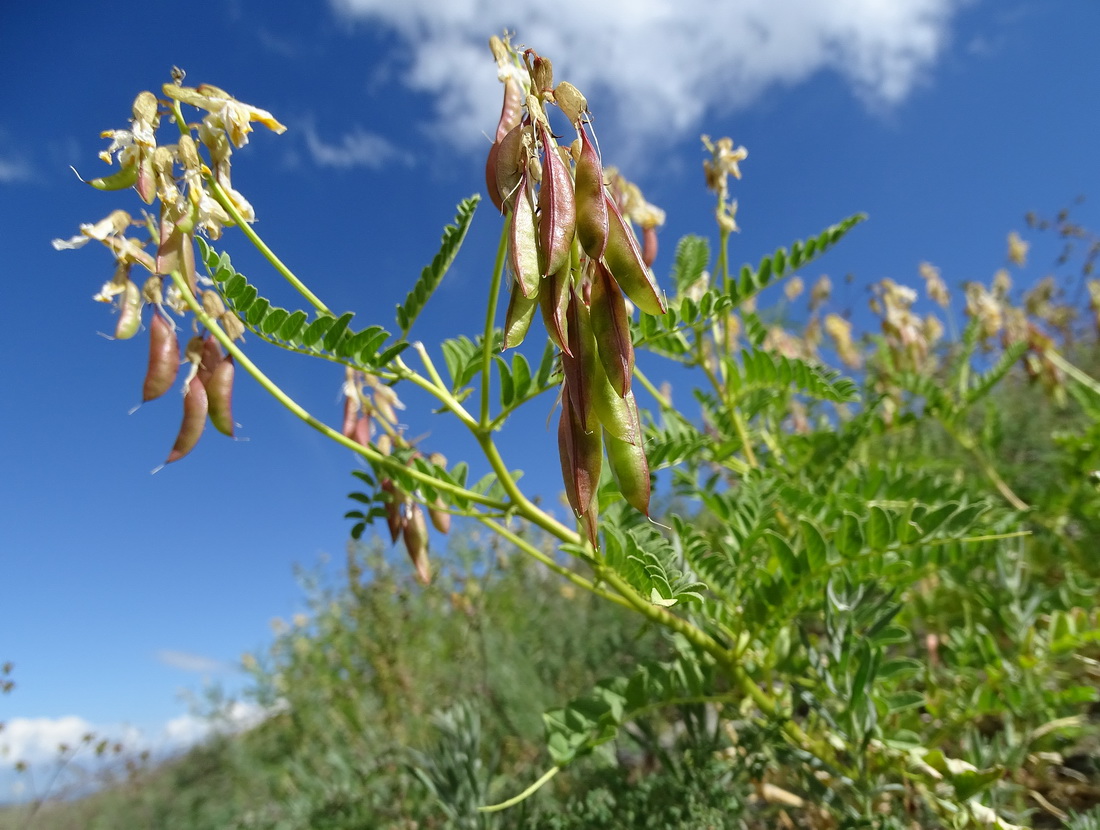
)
(14, 170)
(660, 65)
(194, 663)
(38, 740)
(359, 148)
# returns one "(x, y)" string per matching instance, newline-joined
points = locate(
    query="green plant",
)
(821, 581)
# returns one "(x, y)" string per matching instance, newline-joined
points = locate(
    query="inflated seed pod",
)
(510, 166)
(416, 542)
(211, 357)
(626, 265)
(195, 407)
(523, 245)
(219, 393)
(630, 469)
(581, 456)
(120, 180)
(591, 201)
(164, 358)
(440, 518)
(557, 209)
(395, 517)
(129, 312)
(351, 417)
(649, 245)
(579, 363)
(517, 319)
(611, 328)
(553, 300)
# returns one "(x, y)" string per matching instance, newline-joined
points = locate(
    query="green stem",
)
(530, 791)
(223, 199)
(436, 386)
(372, 455)
(523, 506)
(537, 554)
(490, 319)
(1071, 370)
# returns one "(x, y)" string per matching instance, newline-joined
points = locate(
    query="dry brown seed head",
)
(145, 107)
(232, 326)
(571, 101)
(212, 304)
(152, 291)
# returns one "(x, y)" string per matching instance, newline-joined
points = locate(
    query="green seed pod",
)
(557, 209)
(129, 308)
(611, 328)
(120, 180)
(624, 260)
(164, 358)
(416, 542)
(219, 391)
(630, 469)
(195, 407)
(580, 364)
(592, 222)
(523, 246)
(517, 319)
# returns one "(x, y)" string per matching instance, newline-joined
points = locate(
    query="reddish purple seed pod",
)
(211, 358)
(416, 542)
(195, 407)
(164, 358)
(219, 391)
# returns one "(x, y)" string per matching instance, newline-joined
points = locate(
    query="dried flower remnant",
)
(934, 286)
(1017, 249)
(724, 161)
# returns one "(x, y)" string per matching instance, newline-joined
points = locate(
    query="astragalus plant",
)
(803, 577)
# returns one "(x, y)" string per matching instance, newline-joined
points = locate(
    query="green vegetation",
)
(863, 601)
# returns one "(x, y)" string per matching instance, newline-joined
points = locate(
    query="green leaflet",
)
(323, 335)
(432, 275)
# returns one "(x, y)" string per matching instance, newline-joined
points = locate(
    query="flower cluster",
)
(194, 195)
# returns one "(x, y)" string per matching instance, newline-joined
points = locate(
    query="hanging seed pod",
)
(625, 262)
(211, 357)
(395, 517)
(649, 245)
(630, 468)
(581, 459)
(362, 432)
(557, 209)
(517, 319)
(611, 328)
(195, 407)
(553, 301)
(592, 222)
(580, 364)
(510, 166)
(523, 246)
(351, 417)
(129, 312)
(416, 542)
(164, 358)
(219, 392)
(440, 518)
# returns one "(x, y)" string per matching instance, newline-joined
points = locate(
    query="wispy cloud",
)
(358, 148)
(37, 743)
(195, 663)
(13, 169)
(660, 65)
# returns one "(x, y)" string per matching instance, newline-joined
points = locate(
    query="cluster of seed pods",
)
(366, 401)
(208, 390)
(572, 255)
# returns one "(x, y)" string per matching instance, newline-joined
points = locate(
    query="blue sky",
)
(944, 120)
